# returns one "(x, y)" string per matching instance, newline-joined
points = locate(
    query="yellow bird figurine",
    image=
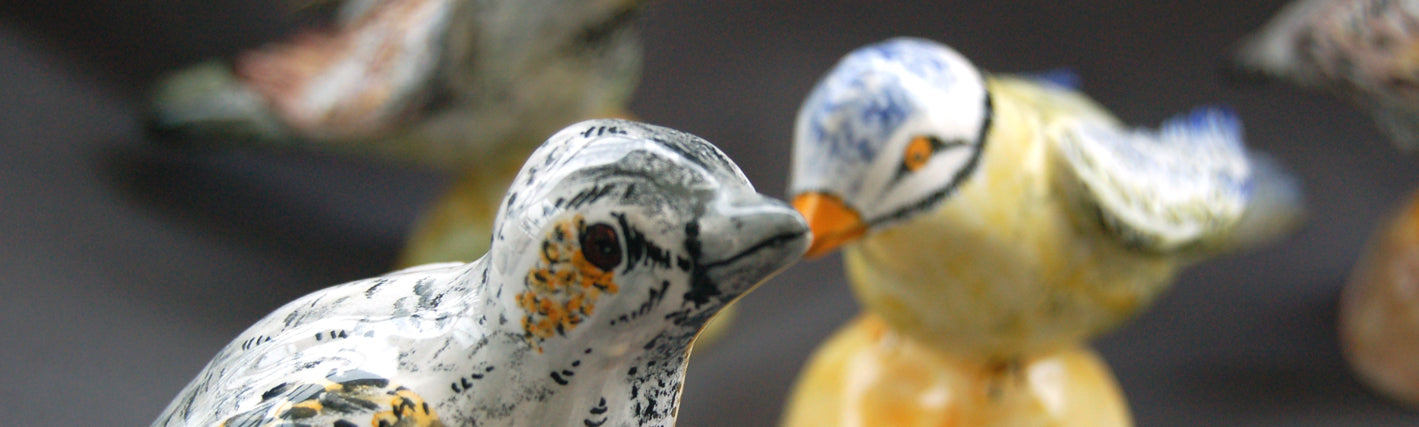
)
(990, 225)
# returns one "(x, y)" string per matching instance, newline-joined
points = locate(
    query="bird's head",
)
(623, 231)
(888, 133)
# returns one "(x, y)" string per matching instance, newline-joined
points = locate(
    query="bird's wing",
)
(1065, 78)
(350, 399)
(1162, 190)
(354, 80)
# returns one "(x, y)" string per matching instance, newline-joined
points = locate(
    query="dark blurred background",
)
(125, 265)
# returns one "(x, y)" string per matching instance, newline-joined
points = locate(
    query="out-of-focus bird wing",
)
(356, 81)
(1184, 184)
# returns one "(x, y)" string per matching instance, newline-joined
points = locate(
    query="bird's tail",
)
(1275, 206)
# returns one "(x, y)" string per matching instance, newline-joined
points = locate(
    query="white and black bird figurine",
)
(615, 245)
(1365, 51)
(992, 224)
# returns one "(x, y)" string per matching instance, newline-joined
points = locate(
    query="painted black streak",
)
(255, 341)
(602, 130)
(701, 288)
(639, 249)
(774, 241)
(587, 196)
(369, 293)
(275, 391)
(656, 296)
(424, 288)
(694, 157)
(320, 336)
(291, 319)
(558, 378)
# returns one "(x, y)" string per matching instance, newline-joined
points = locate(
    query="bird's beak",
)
(833, 223)
(745, 238)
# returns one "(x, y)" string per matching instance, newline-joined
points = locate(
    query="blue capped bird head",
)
(889, 132)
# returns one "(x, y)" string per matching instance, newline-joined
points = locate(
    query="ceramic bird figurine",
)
(442, 83)
(1379, 309)
(614, 247)
(990, 225)
(469, 86)
(1366, 51)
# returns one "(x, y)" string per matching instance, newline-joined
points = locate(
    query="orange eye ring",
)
(918, 152)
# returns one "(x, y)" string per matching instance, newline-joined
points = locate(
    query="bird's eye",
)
(919, 151)
(600, 246)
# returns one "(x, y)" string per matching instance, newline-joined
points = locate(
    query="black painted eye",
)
(601, 247)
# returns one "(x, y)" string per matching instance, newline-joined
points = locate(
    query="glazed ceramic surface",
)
(1002, 220)
(1379, 309)
(616, 244)
(874, 376)
(1364, 50)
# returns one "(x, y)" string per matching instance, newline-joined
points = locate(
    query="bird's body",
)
(424, 329)
(1008, 268)
(1366, 51)
(990, 225)
(617, 243)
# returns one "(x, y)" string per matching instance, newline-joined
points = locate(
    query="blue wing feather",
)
(1065, 78)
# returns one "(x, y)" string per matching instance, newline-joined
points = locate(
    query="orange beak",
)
(833, 223)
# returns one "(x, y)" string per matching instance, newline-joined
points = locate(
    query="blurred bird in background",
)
(1366, 51)
(991, 224)
(468, 86)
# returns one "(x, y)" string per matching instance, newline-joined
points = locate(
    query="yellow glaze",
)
(1007, 266)
(868, 375)
(1379, 310)
(978, 312)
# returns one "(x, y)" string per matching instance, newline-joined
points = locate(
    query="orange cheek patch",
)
(563, 289)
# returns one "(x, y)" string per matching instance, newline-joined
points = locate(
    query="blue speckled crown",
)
(869, 95)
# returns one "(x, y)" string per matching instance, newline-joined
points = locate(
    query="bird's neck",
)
(587, 383)
(611, 377)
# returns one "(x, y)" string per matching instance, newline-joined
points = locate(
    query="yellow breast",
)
(1006, 267)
